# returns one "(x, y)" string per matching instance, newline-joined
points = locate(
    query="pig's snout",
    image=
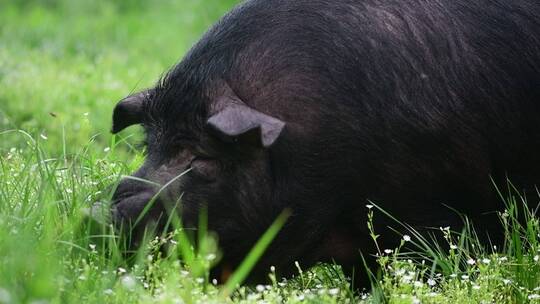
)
(130, 207)
(135, 204)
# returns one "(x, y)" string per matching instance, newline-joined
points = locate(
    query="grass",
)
(63, 65)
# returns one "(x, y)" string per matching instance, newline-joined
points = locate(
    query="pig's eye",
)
(204, 168)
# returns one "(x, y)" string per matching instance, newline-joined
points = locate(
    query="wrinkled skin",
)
(320, 106)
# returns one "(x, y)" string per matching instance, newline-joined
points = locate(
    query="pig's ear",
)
(129, 111)
(238, 122)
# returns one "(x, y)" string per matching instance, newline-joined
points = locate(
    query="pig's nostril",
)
(120, 196)
(128, 206)
(128, 188)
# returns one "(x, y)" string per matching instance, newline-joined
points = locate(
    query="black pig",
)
(321, 106)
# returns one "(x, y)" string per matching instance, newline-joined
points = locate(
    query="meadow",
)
(63, 66)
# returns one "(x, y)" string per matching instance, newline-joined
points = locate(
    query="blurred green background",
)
(65, 63)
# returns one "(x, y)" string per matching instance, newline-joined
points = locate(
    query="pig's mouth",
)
(99, 212)
(122, 212)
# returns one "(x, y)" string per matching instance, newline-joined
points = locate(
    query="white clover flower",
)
(121, 270)
(453, 247)
(431, 282)
(214, 281)
(486, 261)
(406, 238)
(92, 247)
(388, 251)
(333, 291)
(260, 288)
(128, 282)
(465, 277)
(471, 261)
(407, 278)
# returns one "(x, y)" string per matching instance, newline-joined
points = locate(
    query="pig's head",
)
(204, 150)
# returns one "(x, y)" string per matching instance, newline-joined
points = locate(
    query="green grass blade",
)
(255, 254)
